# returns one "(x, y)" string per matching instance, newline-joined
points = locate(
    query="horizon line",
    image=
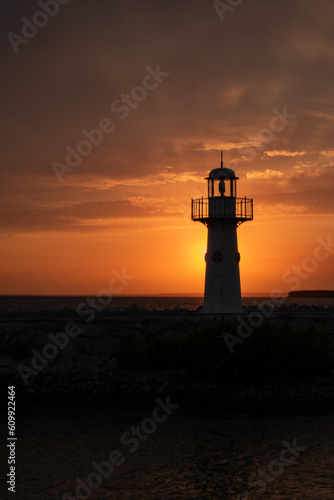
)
(176, 294)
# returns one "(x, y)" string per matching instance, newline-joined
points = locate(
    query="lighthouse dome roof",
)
(222, 173)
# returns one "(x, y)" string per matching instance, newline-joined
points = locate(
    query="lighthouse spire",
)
(221, 159)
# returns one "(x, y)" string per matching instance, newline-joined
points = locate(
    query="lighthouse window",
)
(217, 257)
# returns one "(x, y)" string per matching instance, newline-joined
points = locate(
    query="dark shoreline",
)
(101, 362)
(312, 294)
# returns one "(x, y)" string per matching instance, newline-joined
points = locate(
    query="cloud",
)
(224, 82)
(327, 154)
(160, 178)
(89, 215)
(284, 153)
(307, 202)
(277, 209)
(267, 174)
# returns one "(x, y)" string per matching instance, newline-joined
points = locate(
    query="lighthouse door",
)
(216, 292)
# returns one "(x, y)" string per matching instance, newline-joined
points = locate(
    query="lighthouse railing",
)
(222, 207)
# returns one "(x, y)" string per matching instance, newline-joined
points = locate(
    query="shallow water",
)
(191, 455)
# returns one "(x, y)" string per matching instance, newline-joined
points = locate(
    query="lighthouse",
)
(222, 212)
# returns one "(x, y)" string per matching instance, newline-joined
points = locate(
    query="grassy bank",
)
(282, 362)
(270, 353)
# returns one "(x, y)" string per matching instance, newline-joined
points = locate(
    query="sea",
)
(149, 303)
(190, 455)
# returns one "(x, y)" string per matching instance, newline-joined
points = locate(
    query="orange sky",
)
(257, 84)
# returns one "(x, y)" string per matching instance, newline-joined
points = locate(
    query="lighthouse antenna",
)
(221, 159)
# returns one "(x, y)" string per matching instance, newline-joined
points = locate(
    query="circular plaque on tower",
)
(217, 257)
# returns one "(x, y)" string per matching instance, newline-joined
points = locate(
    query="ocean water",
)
(152, 303)
(189, 456)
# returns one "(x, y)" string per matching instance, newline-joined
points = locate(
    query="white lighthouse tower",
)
(222, 213)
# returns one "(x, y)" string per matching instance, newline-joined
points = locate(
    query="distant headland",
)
(305, 294)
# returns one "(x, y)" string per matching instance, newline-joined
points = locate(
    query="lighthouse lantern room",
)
(222, 212)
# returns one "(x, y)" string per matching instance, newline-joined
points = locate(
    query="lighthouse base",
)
(222, 279)
(221, 310)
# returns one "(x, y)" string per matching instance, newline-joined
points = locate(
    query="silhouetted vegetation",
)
(271, 352)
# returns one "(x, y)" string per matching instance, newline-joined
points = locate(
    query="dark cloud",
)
(225, 79)
(308, 202)
(83, 217)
